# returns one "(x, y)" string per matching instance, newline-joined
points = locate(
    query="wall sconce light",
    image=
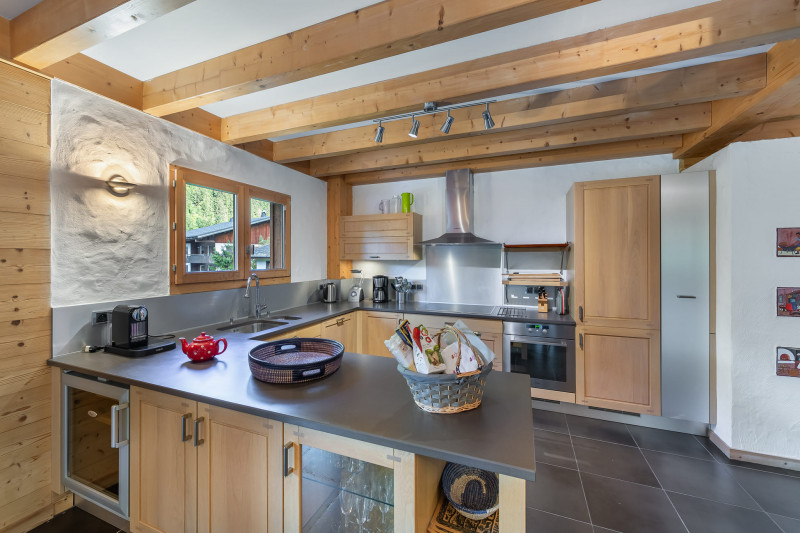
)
(119, 186)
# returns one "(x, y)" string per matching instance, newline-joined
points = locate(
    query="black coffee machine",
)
(380, 289)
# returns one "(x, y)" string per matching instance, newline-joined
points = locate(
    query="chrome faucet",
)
(259, 307)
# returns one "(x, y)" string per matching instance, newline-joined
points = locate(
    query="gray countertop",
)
(367, 399)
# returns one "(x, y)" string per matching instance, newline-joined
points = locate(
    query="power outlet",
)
(101, 317)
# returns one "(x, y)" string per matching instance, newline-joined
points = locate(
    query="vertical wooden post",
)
(340, 203)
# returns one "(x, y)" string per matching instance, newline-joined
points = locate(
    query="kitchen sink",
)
(252, 326)
(286, 317)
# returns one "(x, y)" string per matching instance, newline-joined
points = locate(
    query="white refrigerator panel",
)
(685, 296)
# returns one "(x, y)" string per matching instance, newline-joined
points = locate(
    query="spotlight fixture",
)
(414, 127)
(119, 186)
(379, 133)
(488, 123)
(447, 123)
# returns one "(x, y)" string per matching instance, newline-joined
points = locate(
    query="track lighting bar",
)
(431, 108)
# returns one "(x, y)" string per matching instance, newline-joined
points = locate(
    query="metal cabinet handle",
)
(686, 296)
(115, 425)
(580, 340)
(340, 322)
(197, 440)
(185, 418)
(374, 257)
(286, 468)
(580, 313)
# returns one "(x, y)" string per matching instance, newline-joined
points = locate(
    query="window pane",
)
(266, 235)
(210, 229)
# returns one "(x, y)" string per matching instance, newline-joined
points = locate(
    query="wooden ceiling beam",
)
(264, 149)
(735, 117)
(630, 126)
(702, 83)
(375, 32)
(584, 154)
(54, 30)
(198, 120)
(5, 38)
(778, 129)
(98, 78)
(718, 27)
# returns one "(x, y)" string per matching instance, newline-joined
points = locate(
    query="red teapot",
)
(203, 347)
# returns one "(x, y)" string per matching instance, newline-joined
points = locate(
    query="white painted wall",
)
(106, 248)
(515, 206)
(757, 192)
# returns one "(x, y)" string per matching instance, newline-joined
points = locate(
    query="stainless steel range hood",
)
(459, 206)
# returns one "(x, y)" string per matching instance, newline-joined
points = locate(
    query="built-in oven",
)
(545, 352)
(95, 451)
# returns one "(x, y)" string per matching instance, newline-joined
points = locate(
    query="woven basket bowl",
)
(473, 492)
(446, 393)
(295, 360)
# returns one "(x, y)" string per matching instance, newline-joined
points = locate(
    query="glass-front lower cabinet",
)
(335, 484)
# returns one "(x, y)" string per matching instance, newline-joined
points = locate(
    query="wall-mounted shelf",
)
(558, 247)
(535, 283)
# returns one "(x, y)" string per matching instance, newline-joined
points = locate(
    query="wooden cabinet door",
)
(239, 478)
(617, 253)
(619, 369)
(377, 327)
(343, 329)
(163, 468)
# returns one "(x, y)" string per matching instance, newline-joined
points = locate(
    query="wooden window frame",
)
(183, 282)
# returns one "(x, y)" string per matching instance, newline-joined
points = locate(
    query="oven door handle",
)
(537, 340)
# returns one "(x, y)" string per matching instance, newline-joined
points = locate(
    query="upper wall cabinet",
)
(617, 253)
(381, 237)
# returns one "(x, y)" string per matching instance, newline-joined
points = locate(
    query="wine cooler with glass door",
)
(333, 484)
(95, 451)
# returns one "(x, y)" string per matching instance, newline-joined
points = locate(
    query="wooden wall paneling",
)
(368, 34)
(724, 79)
(340, 203)
(630, 126)
(18, 86)
(24, 195)
(25, 327)
(5, 38)
(24, 266)
(83, 71)
(736, 116)
(596, 152)
(686, 34)
(56, 29)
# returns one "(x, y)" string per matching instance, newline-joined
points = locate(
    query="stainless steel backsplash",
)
(464, 274)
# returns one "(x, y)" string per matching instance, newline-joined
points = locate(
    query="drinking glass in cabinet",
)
(342, 494)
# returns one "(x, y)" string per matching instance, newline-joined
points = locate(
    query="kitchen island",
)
(365, 409)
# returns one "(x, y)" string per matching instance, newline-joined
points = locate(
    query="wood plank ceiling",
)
(690, 112)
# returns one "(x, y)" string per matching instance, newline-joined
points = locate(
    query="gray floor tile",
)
(774, 492)
(541, 522)
(705, 516)
(550, 420)
(788, 525)
(695, 477)
(711, 448)
(613, 460)
(628, 507)
(554, 448)
(590, 428)
(669, 442)
(558, 491)
(75, 519)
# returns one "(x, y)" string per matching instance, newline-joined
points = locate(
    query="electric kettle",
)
(329, 292)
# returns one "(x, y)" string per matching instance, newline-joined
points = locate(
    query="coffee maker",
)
(380, 289)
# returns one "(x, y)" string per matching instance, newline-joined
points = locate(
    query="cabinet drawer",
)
(371, 226)
(392, 248)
